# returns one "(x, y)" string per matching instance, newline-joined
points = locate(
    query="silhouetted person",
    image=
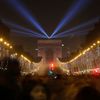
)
(88, 93)
(9, 77)
(34, 90)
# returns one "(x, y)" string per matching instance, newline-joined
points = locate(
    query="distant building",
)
(49, 50)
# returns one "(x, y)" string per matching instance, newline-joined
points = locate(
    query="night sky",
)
(48, 13)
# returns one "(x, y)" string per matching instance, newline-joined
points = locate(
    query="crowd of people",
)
(14, 86)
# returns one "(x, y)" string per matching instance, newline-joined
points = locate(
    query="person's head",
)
(38, 92)
(88, 93)
(10, 67)
(34, 89)
(72, 89)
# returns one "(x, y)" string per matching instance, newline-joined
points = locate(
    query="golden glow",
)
(8, 44)
(98, 42)
(5, 43)
(16, 54)
(21, 55)
(94, 44)
(10, 47)
(88, 49)
(25, 58)
(83, 53)
(1, 39)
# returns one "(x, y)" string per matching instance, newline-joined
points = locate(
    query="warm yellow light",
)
(25, 58)
(16, 54)
(75, 58)
(98, 42)
(5, 42)
(1, 39)
(88, 49)
(10, 47)
(80, 54)
(70, 61)
(28, 60)
(91, 46)
(94, 44)
(84, 52)
(21, 55)
(8, 44)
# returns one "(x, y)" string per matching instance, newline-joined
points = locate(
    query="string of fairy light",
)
(11, 47)
(21, 58)
(86, 61)
(84, 52)
(5, 43)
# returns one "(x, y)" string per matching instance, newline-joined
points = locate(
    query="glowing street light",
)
(1, 39)
(11, 47)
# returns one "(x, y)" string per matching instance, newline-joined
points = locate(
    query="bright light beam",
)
(26, 33)
(70, 15)
(76, 32)
(19, 7)
(16, 26)
(13, 25)
(65, 33)
(86, 24)
(20, 32)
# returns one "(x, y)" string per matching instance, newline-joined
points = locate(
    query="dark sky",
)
(49, 12)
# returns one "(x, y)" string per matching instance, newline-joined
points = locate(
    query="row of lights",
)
(5, 43)
(85, 51)
(8, 45)
(25, 58)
